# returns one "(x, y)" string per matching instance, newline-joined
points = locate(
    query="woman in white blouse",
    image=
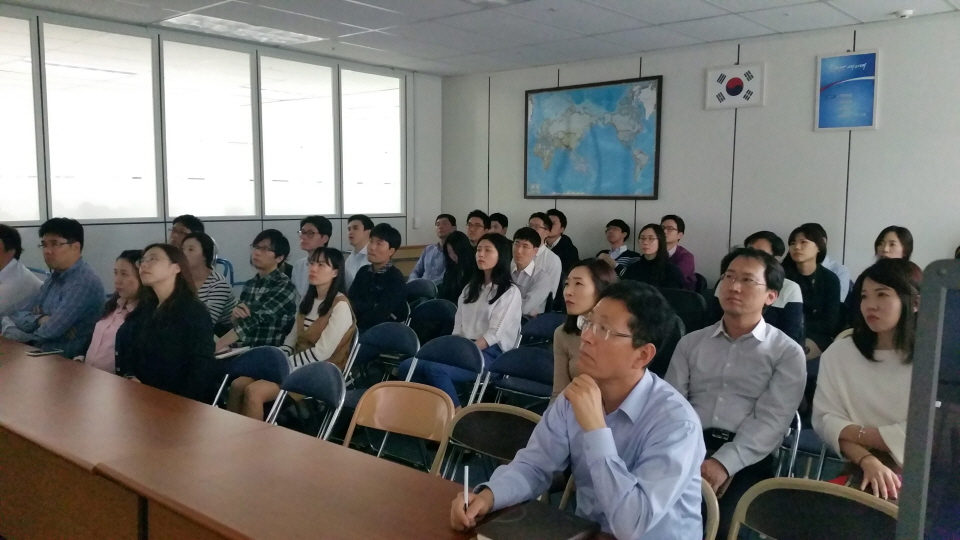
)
(863, 390)
(323, 330)
(488, 312)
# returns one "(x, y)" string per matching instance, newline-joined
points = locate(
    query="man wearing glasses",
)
(268, 302)
(478, 224)
(633, 442)
(673, 229)
(744, 378)
(315, 232)
(182, 227)
(535, 282)
(546, 259)
(61, 316)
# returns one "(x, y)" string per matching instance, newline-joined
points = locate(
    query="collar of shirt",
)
(550, 246)
(637, 398)
(670, 252)
(58, 274)
(614, 253)
(543, 248)
(363, 252)
(272, 276)
(382, 270)
(528, 270)
(759, 331)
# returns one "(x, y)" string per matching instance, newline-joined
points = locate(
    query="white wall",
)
(104, 242)
(730, 173)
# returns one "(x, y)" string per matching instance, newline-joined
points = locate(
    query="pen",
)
(466, 486)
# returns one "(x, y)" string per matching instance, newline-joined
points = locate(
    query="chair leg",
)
(823, 457)
(451, 452)
(383, 444)
(425, 455)
(275, 410)
(223, 385)
(567, 493)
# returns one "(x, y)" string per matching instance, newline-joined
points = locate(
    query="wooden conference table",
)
(86, 454)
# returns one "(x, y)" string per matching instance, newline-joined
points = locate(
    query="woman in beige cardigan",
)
(586, 280)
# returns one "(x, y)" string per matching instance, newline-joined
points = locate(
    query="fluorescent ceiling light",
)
(239, 30)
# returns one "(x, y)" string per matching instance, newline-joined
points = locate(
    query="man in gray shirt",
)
(744, 378)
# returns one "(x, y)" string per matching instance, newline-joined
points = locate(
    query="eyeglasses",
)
(541, 227)
(475, 226)
(523, 244)
(307, 234)
(648, 238)
(183, 232)
(262, 249)
(670, 229)
(51, 245)
(745, 281)
(598, 329)
(148, 260)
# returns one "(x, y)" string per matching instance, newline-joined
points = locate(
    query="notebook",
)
(537, 521)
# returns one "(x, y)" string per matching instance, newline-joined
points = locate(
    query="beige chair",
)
(472, 427)
(801, 509)
(402, 407)
(711, 521)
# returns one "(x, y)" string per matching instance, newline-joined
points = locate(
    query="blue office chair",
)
(259, 363)
(42, 274)
(388, 342)
(456, 351)
(321, 381)
(227, 269)
(432, 319)
(420, 290)
(527, 371)
(540, 329)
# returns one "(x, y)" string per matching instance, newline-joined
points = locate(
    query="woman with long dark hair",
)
(323, 330)
(488, 312)
(128, 292)
(894, 242)
(212, 288)
(586, 280)
(460, 264)
(863, 390)
(819, 286)
(654, 266)
(167, 342)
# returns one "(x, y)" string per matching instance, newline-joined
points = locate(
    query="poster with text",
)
(847, 91)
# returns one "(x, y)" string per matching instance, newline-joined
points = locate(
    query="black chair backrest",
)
(321, 381)
(432, 319)
(690, 306)
(387, 338)
(543, 326)
(530, 363)
(456, 351)
(512, 433)
(260, 363)
(792, 514)
(701, 283)
(661, 361)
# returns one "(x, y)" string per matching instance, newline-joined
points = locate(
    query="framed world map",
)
(593, 141)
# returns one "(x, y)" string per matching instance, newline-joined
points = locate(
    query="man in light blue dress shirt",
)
(635, 445)
(431, 264)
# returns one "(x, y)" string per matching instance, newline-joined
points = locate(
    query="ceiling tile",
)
(575, 15)
(270, 18)
(880, 10)
(662, 11)
(341, 11)
(648, 39)
(504, 26)
(439, 34)
(423, 9)
(560, 52)
(397, 44)
(720, 28)
(433, 67)
(956, 3)
(356, 53)
(739, 6)
(479, 63)
(802, 17)
(114, 10)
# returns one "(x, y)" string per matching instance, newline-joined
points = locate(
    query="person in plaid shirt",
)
(268, 303)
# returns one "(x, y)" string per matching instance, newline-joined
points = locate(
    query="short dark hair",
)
(448, 217)
(681, 226)
(480, 214)
(903, 233)
(898, 274)
(207, 246)
(602, 276)
(620, 224)
(553, 212)
(528, 234)
(323, 225)
(386, 232)
(11, 240)
(813, 233)
(651, 317)
(364, 220)
(69, 229)
(772, 270)
(819, 228)
(542, 216)
(499, 218)
(189, 221)
(775, 242)
(278, 242)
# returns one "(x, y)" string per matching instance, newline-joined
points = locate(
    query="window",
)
(371, 143)
(100, 122)
(208, 131)
(19, 189)
(297, 112)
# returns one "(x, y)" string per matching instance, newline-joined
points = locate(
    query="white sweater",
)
(497, 323)
(854, 390)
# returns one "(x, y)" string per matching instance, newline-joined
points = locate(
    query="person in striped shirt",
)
(323, 331)
(212, 288)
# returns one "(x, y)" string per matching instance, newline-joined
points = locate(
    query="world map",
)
(594, 141)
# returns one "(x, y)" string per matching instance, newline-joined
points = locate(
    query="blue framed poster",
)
(847, 91)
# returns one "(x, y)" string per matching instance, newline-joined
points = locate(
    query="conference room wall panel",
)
(781, 172)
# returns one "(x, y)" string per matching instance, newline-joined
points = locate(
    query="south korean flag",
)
(735, 86)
